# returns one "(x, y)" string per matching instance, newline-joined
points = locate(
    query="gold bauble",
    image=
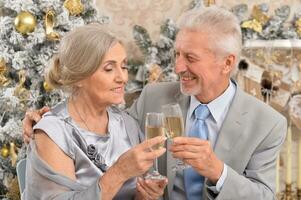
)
(75, 7)
(47, 87)
(4, 151)
(25, 22)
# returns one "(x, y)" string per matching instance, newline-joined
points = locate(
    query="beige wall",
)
(151, 14)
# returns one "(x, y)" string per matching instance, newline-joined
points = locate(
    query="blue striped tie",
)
(194, 181)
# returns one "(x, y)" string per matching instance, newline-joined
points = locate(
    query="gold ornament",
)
(3, 80)
(25, 22)
(298, 27)
(49, 24)
(296, 87)
(252, 24)
(75, 7)
(20, 91)
(13, 189)
(209, 2)
(47, 87)
(259, 15)
(13, 154)
(4, 151)
(259, 19)
(155, 73)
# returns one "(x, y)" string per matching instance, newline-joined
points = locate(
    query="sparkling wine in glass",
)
(154, 126)
(174, 127)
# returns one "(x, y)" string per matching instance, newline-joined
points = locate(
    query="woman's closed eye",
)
(108, 67)
(124, 66)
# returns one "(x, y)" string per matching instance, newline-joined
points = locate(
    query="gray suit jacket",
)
(248, 142)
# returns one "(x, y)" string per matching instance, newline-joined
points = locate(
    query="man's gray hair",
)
(221, 25)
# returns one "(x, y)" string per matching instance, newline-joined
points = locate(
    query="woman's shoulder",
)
(55, 119)
(54, 124)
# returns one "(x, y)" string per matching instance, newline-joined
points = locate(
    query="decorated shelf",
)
(286, 43)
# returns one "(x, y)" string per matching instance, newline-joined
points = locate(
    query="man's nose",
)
(180, 65)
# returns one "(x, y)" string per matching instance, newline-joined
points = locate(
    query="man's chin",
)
(189, 90)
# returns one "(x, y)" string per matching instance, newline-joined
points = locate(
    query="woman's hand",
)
(150, 189)
(140, 158)
(31, 117)
(132, 163)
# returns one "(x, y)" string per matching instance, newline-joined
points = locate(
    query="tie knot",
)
(202, 112)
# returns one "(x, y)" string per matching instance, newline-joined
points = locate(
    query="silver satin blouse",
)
(92, 155)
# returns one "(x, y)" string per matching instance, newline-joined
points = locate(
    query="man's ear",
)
(228, 64)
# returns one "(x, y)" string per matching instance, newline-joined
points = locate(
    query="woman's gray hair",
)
(221, 25)
(80, 54)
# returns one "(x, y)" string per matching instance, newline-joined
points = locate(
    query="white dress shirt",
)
(218, 108)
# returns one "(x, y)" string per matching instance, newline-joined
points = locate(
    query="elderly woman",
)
(85, 147)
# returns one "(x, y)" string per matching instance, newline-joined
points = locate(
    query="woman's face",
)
(107, 84)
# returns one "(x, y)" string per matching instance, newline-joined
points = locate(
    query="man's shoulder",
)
(259, 108)
(163, 86)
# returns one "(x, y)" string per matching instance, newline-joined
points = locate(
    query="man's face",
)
(200, 70)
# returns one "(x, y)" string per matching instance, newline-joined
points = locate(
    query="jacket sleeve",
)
(137, 108)
(258, 179)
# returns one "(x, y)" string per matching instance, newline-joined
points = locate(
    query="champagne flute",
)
(154, 126)
(174, 127)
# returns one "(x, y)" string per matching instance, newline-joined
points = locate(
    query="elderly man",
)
(236, 158)
(233, 139)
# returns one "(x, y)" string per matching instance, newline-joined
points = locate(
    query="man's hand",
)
(198, 154)
(150, 189)
(31, 117)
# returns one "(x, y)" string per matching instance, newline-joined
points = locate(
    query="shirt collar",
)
(216, 107)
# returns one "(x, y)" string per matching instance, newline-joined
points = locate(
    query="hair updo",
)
(80, 54)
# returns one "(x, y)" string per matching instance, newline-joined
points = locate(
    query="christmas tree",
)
(158, 56)
(30, 33)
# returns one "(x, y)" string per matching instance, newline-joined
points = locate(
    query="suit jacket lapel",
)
(232, 127)
(130, 127)
(183, 101)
